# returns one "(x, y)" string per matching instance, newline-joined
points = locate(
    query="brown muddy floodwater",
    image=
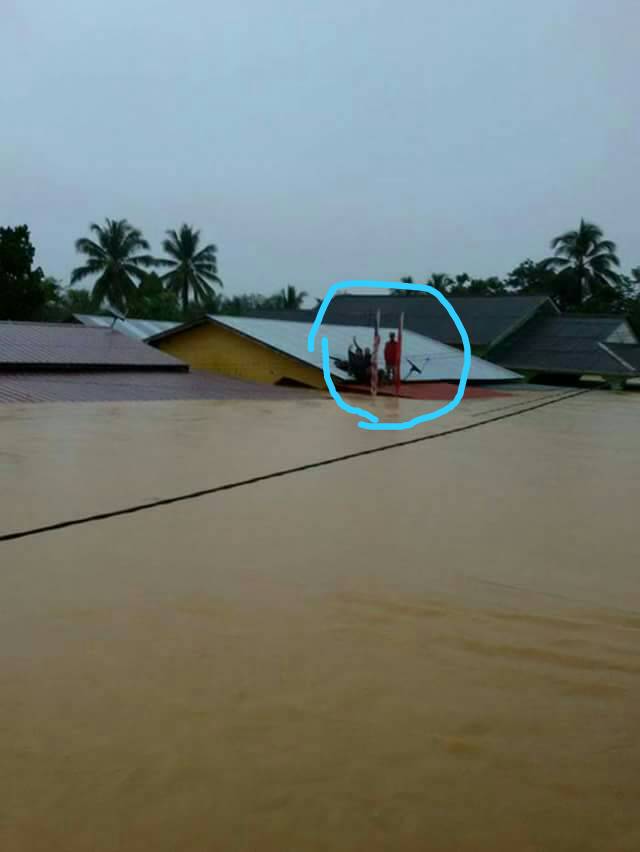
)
(434, 647)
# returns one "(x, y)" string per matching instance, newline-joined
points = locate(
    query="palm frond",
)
(606, 245)
(142, 260)
(605, 257)
(133, 271)
(82, 272)
(207, 252)
(568, 238)
(133, 242)
(89, 247)
(171, 245)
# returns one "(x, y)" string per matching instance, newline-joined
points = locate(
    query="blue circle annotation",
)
(371, 421)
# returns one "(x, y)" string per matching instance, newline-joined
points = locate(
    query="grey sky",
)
(319, 141)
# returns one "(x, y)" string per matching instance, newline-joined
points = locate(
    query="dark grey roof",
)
(565, 344)
(79, 386)
(25, 345)
(629, 352)
(486, 318)
(291, 315)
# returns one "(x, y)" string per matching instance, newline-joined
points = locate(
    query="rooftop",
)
(570, 344)
(486, 318)
(133, 385)
(424, 359)
(139, 329)
(55, 346)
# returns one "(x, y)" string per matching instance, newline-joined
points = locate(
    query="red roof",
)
(54, 346)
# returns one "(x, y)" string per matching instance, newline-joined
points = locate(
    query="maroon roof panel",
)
(69, 346)
(77, 386)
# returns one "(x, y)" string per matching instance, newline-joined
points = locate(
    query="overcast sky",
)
(320, 141)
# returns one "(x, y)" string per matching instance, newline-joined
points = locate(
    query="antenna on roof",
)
(116, 316)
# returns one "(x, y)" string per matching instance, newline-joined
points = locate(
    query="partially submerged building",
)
(527, 334)
(276, 352)
(571, 346)
(487, 319)
(54, 362)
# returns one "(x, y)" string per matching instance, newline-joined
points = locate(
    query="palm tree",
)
(291, 299)
(585, 261)
(114, 257)
(191, 268)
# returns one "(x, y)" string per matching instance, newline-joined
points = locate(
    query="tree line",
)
(126, 277)
(582, 274)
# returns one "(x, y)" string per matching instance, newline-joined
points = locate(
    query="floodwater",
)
(436, 646)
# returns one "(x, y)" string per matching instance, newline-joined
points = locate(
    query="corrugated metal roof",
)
(629, 352)
(17, 387)
(139, 329)
(486, 318)
(64, 345)
(564, 344)
(436, 361)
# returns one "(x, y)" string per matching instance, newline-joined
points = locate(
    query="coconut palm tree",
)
(191, 269)
(291, 299)
(586, 262)
(114, 256)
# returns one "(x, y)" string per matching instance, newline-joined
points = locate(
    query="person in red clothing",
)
(391, 356)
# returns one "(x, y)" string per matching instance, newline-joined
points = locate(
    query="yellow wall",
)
(211, 347)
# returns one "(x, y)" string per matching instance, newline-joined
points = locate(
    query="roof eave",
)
(170, 332)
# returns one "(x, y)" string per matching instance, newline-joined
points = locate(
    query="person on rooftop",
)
(391, 356)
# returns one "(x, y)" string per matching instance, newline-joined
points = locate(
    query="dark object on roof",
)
(571, 344)
(64, 346)
(486, 318)
(77, 386)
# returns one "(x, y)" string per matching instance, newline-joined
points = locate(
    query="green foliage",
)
(631, 306)
(191, 269)
(115, 258)
(530, 277)
(441, 282)
(24, 291)
(289, 299)
(587, 265)
(53, 308)
(582, 275)
(77, 301)
(463, 285)
(152, 300)
(243, 303)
